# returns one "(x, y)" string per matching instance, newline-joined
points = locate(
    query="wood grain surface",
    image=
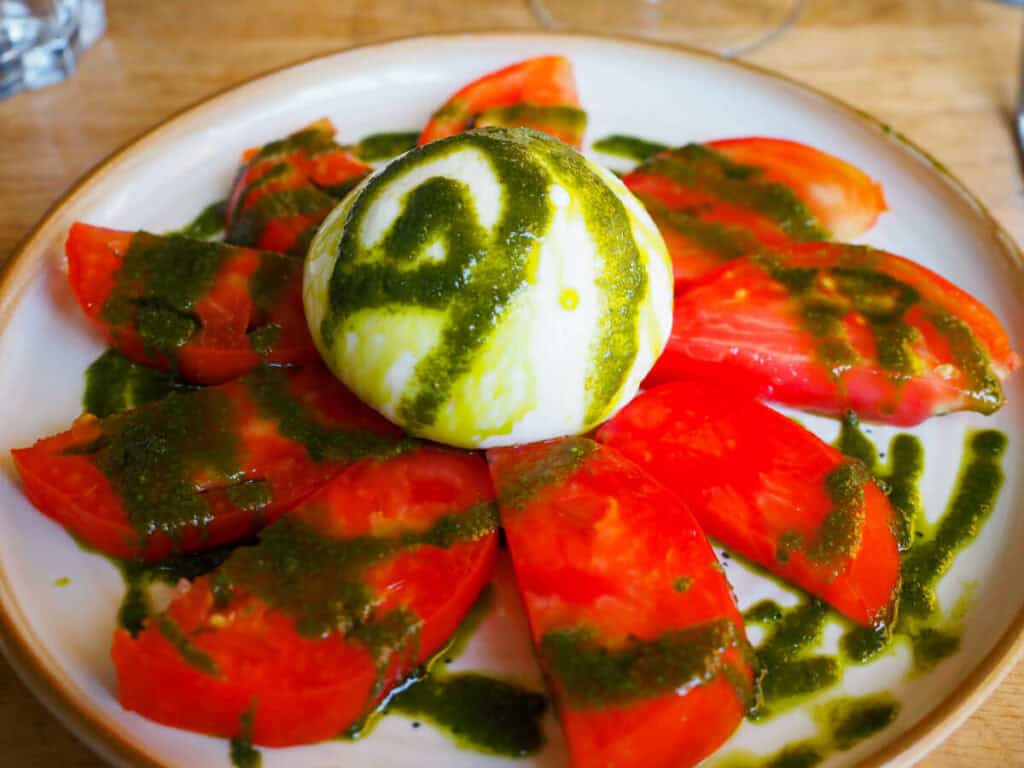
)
(941, 71)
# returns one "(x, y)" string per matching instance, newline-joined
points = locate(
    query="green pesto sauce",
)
(383, 146)
(594, 676)
(269, 388)
(568, 122)
(700, 167)
(138, 576)
(725, 241)
(483, 270)
(482, 713)
(823, 296)
(248, 227)
(150, 456)
(243, 753)
(274, 272)
(629, 147)
(842, 723)
(63, 581)
(157, 287)
(186, 649)
(310, 141)
(207, 224)
(561, 460)
(928, 548)
(839, 535)
(789, 672)
(114, 383)
(317, 580)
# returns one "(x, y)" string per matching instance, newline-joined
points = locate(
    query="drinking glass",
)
(729, 27)
(40, 40)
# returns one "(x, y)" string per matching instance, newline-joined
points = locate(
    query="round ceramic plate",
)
(59, 636)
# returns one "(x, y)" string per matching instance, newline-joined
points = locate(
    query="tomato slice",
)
(718, 201)
(287, 187)
(538, 93)
(828, 328)
(204, 468)
(763, 485)
(208, 310)
(308, 630)
(632, 617)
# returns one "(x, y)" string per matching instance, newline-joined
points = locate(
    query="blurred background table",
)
(941, 71)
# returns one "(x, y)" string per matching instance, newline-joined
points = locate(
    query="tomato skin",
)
(545, 81)
(301, 688)
(739, 324)
(309, 164)
(67, 485)
(221, 349)
(752, 477)
(842, 197)
(603, 546)
(843, 200)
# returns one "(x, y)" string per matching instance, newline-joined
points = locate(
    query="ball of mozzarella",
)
(489, 289)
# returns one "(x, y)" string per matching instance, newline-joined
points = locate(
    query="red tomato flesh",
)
(307, 631)
(286, 188)
(634, 622)
(828, 328)
(537, 93)
(245, 309)
(766, 487)
(722, 200)
(204, 468)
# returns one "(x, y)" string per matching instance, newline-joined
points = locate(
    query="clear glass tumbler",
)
(40, 40)
(728, 27)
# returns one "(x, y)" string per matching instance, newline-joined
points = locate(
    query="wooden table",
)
(941, 71)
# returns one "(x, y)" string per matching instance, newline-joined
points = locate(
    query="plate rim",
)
(42, 676)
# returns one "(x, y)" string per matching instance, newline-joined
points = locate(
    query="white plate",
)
(59, 636)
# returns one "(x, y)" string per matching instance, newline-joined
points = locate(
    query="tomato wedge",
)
(766, 487)
(828, 328)
(287, 187)
(537, 93)
(208, 310)
(305, 632)
(718, 201)
(200, 469)
(632, 617)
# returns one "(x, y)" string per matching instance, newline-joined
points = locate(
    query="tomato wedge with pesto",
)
(766, 487)
(294, 639)
(207, 310)
(538, 93)
(287, 187)
(632, 618)
(828, 328)
(719, 201)
(204, 468)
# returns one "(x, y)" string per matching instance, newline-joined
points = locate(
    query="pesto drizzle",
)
(629, 147)
(593, 675)
(698, 166)
(207, 224)
(157, 286)
(243, 753)
(842, 723)
(823, 294)
(114, 383)
(269, 388)
(479, 712)
(561, 459)
(383, 146)
(316, 579)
